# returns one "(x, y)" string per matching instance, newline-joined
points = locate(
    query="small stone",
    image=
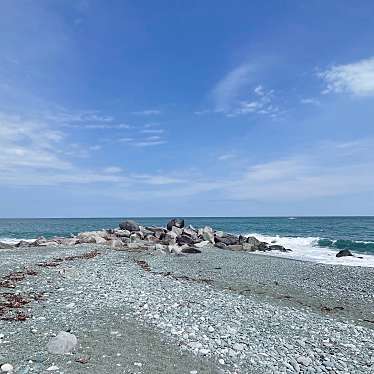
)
(7, 368)
(139, 364)
(63, 343)
(221, 361)
(306, 361)
(211, 329)
(82, 359)
(53, 368)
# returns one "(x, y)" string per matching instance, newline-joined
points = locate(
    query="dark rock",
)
(178, 222)
(253, 241)
(190, 250)
(221, 245)
(158, 232)
(241, 239)
(6, 246)
(185, 239)
(23, 243)
(129, 225)
(344, 252)
(262, 247)
(227, 239)
(276, 247)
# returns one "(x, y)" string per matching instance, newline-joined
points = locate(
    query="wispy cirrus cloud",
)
(239, 93)
(231, 86)
(356, 78)
(148, 112)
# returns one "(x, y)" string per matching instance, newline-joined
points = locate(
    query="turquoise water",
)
(355, 233)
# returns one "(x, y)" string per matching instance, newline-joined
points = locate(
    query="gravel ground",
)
(188, 314)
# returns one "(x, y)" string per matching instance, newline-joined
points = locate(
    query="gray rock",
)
(227, 239)
(221, 245)
(202, 244)
(190, 232)
(185, 239)
(63, 343)
(177, 230)
(6, 246)
(170, 237)
(207, 234)
(235, 247)
(122, 233)
(129, 225)
(178, 222)
(116, 243)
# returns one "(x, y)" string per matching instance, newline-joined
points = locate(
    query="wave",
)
(316, 249)
(354, 245)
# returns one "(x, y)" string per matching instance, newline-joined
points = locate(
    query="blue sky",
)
(214, 108)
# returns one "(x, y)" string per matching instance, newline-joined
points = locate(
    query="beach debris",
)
(64, 342)
(344, 252)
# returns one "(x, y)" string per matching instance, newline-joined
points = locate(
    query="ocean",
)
(311, 238)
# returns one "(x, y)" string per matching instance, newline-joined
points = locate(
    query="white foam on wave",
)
(14, 240)
(307, 249)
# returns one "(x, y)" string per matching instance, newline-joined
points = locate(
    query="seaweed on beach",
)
(10, 280)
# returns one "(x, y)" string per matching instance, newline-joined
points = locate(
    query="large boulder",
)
(158, 232)
(63, 343)
(177, 222)
(227, 239)
(276, 247)
(122, 233)
(202, 244)
(207, 233)
(185, 239)
(169, 238)
(344, 252)
(6, 246)
(129, 225)
(177, 230)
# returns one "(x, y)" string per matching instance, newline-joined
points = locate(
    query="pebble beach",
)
(217, 311)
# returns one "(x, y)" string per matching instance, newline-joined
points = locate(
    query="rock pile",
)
(175, 238)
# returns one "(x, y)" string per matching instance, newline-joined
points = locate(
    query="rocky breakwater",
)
(175, 238)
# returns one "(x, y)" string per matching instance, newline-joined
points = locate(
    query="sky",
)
(199, 108)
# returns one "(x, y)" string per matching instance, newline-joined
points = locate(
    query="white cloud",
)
(226, 156)
(152, 131)
(112, 170)
(328, 170)
(261, 102)
(149, 143)
(310, 101)
(356, 78)
(147, 112)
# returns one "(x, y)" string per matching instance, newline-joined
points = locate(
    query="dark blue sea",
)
(318, 237)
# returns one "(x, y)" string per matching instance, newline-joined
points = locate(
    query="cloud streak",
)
(356, 78)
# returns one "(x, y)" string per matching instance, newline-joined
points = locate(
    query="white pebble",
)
(53, 368)
(6, 368)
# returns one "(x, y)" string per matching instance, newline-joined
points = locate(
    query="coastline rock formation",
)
(175, 238)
